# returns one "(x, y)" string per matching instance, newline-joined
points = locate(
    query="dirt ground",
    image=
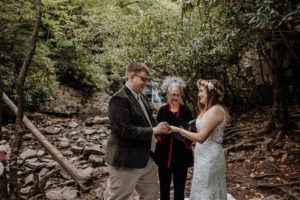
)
(257, 168)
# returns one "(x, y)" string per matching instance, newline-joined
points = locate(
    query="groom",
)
(132, 139)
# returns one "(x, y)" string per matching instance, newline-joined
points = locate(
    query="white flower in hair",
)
(210, 86)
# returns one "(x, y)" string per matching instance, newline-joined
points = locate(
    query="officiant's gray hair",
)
(171, 81)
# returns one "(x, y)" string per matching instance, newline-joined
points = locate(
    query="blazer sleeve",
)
(123, 124)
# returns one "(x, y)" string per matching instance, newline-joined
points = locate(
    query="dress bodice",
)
(217, 134)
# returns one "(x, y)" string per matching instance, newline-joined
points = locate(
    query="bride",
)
(209, 177)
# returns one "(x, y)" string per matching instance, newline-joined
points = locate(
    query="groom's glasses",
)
(144, 79)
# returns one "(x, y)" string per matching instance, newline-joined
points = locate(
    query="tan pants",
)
(123, 181)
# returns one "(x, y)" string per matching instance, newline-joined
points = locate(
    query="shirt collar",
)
(133, 92)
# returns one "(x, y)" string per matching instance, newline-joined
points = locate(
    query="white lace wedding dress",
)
(209, 177)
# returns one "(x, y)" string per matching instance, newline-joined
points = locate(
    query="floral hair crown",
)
(210, 86)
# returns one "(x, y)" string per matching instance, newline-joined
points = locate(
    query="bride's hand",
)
(174, 129)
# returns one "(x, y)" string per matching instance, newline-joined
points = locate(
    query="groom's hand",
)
(162, 127)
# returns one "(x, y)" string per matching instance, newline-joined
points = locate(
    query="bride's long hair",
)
(215, 95)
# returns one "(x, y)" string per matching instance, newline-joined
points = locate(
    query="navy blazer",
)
(129, 143)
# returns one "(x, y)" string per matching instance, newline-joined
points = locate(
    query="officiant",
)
(173, 153)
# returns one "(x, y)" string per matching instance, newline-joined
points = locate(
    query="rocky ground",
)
(256, 168)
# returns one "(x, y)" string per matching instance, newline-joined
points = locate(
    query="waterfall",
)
(156, 96)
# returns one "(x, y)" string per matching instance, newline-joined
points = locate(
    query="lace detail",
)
(209, 178)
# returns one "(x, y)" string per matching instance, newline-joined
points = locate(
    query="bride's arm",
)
(213, 117)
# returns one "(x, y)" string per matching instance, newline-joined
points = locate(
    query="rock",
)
(103, 144)
(4, 129)
(99, 120)
(76, 149)
(270, 158)
(43, 172)
(64, 174)
(104, 110)
(73, 133)
(99, 193)
(74, 159)
(89, 131)
(81, 142)
(101, 130)
(40, 153)
(67, 153)
(54, 195)
(29, 153)
(29, 179)
(103, 135)
(96, 159)
(95, 149)
(69, 193)
(95, 137)
(27, 137)
(52, 130)
(72, 124)
(51, 164)
(67, 109)
(48, 184)
(25, 190)
(64, 143)
(99, 171)
(67, 183)
(273, 197)
(35, 165)
(88, 171)
(89, 121)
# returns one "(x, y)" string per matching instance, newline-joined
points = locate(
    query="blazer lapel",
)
(135, 101)
(145, 102)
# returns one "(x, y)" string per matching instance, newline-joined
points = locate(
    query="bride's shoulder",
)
(216, 109)
(217, 112)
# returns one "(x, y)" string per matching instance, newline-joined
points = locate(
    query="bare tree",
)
(17, 137)
(3, 180)
(78, 176)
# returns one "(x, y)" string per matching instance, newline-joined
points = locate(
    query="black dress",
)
(173, 155)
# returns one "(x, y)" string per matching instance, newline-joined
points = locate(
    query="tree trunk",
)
(279, 111)
(78, 176)
(3, 180)
(17, 139)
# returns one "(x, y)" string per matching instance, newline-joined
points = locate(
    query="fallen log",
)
(78, 176)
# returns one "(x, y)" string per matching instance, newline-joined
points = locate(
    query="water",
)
(156, 97)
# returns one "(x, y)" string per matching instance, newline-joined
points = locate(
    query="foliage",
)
(204, 39)
(16, 22)
(72, 33)
(83, 41)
